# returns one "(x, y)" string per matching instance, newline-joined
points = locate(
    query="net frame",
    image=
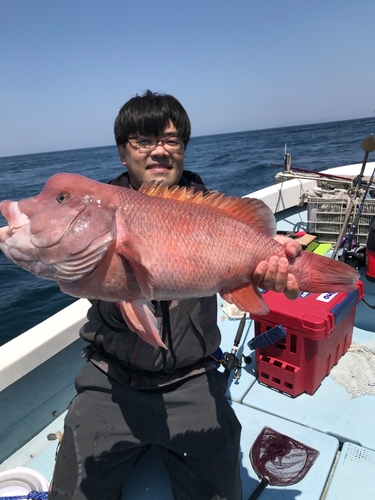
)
(280, 459)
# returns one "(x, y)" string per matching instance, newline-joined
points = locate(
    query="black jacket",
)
(188, 327)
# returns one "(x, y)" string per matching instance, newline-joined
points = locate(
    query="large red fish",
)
(101, 241)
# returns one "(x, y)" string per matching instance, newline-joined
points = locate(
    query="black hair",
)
(149, 114)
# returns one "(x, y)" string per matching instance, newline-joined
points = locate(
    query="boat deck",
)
(340, 428)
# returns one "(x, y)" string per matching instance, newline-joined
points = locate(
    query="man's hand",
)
(273, 275)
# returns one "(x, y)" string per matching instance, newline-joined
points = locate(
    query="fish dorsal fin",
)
(247, 210)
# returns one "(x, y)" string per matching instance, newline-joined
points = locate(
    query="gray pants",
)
(109, 427)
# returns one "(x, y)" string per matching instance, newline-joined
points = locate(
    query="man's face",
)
(156, 165)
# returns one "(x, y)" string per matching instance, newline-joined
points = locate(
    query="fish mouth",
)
(13, 215)
(68, 268)
(18, 221)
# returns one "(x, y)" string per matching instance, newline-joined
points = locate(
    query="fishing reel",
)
(356, 258)
(352, 253)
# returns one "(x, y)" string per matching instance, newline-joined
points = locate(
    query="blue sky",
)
(67, 66)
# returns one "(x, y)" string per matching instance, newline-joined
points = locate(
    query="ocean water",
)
(235, 163)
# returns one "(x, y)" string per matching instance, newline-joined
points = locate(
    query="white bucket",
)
(20, 481)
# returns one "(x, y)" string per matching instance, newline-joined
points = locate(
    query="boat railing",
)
(285, 195)
(29, 350)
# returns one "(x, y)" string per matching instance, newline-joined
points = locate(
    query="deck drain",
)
(356, 454)
(352, 478)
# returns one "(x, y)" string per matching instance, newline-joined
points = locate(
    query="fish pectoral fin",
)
(247, 298)
(142, 321)
(144, 278)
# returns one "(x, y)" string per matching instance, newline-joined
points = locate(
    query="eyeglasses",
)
(145, 144)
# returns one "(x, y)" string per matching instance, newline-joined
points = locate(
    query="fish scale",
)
(179, 253)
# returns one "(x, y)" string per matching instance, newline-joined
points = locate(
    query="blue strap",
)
(38, 495)
(268, 337)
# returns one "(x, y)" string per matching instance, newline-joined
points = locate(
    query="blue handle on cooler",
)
(267, 338)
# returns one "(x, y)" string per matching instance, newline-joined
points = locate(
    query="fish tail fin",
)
(247, 298)
(142, 321)
(318, 274)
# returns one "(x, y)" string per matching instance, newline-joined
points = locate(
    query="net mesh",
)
(355, 371)
(280, 459)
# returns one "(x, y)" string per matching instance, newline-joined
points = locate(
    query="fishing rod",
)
(368, 145)
(355, 223)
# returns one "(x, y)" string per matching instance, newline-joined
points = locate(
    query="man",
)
(131, 395)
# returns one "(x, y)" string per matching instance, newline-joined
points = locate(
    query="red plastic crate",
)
(319, 331)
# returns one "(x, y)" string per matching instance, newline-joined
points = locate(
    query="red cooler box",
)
(319, 331)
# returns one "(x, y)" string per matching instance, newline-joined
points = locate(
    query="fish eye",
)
(62, 197)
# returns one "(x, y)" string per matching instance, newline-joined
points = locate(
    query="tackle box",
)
(325, 217)
(319, 331)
